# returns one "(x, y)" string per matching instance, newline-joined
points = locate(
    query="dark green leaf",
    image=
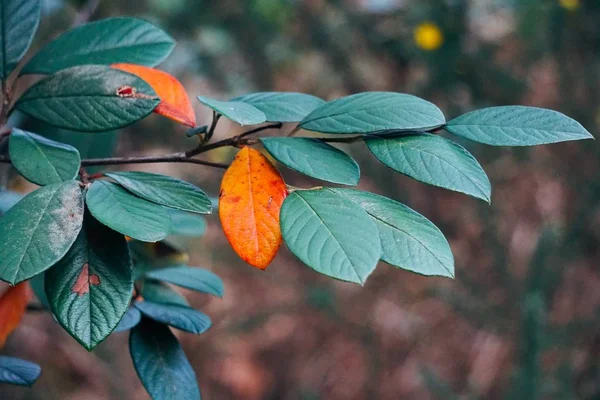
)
(37, 285)
(161, 364)
(330, 234)
(180, 317)
(8, 199)
(314, 158)
(242, 113)
(42, 161)
(19, 19)
(192, 278)
(282, 106)
(374, 111)
(517, 126)
(434, 160)
(89, 99)
(156, 292)
(39, 230)
(110, 41)
(132, 317)
(408, 239)
(164, 190)
(91, 287)
(187, 224)
(18, 372)
(125, 213)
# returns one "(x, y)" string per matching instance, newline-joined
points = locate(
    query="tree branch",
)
(168, 158)
(233, 141)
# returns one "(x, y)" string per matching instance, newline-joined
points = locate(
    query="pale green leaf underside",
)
(42, 161)
(434, 160)
(132, 317)
(180, 317)
(39, 230)
(408, 239)
(19, 20)
(18, 372)
(90, 306)
(87, 99)
(192, 278)
(109, 41)
(164, 190)
(372, 112)
(330, 234)
(314, 158)
(517, 126)
(161, 363)
(282, 106)
(156, 292)
(184, 223)
(125, 213)
(242, 113)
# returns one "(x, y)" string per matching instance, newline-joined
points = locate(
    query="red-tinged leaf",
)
(84, 281)
(174, 101)
(12, 307)
(252, 192)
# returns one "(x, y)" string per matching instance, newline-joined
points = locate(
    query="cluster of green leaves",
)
(70, 237)
(343, 233)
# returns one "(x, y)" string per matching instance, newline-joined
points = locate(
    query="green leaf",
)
(132, 317)
(37, 285)
(91, 287)
(161, 364)
(164, 190)
(330, 234)
(242, 113)
(374, 111)
(408, 239)
(433, 160)
(87, 99)
(156, 292)
(19, 20)
(110, 41)
(314, 158)
(517, 126)
(125, 213)
(187, 224)
(193, 278)
(42, 161)
(18, 372)
(179, 317)
(282, 106)
(39, 230)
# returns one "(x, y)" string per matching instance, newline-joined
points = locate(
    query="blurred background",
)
(520, 321)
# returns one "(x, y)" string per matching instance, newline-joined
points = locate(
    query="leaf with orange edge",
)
(252, 192)
(174, 101)
(13, 304)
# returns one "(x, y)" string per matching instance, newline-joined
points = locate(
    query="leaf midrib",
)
(413, 237)
(37, 224)
(333, 236)
(482, 192)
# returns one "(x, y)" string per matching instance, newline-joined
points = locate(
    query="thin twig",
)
(85, 178)
(233, 141)
(169, 158)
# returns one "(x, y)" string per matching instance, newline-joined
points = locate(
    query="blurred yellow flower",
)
(428, 36)
(570, 5)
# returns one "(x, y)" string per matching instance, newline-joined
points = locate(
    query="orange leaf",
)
(174, 101)
(12, 307)
(252, 192)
